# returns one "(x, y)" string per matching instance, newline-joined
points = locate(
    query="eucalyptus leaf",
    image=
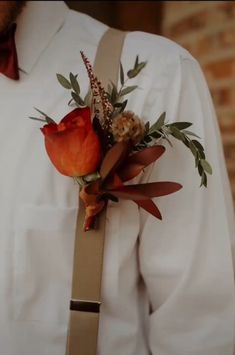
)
(70, 102)
(206, 166)
(200, 168)
(77, 99)
(41, 112)
(157, 125)
(193, 149)
(63, 81)
(88, 98)
(121, 74)
(156, 134)
(186, 141)
(136, 62)
(37, 119)
(114, 94)
(74, 83)
(197, 159)
(147, 126)
(203, 180)
(147, 139)
(201, 154)
(134, 72)
(128, 90)
(189, 133)
(177, 133)
(47, 118)
(181, 125)
(140, 66)
(121, 105)
(118, 104)
(124, 105)
(198, 145)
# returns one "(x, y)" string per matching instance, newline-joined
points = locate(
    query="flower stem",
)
(79, 180)
(89, 223)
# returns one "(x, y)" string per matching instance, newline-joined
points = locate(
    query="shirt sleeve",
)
(186, 259)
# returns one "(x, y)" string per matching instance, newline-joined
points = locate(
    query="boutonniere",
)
(102, 146)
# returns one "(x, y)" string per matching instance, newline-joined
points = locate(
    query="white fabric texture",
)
(168, 286)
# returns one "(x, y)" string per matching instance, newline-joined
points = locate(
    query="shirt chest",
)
(39, 205)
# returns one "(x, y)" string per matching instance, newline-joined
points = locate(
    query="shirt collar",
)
(36, 25)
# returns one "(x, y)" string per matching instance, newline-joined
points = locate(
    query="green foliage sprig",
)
(44, 117)
(178, 130)
(115, 96)
(72, 84)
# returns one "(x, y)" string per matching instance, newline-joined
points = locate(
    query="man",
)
(167, 286)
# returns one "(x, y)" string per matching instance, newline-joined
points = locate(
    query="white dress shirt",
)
(168, 285)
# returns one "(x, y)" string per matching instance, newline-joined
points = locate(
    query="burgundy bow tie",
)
(8, 55)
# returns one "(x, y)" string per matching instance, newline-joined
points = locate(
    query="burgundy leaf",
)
(128, 172)
(147, 155)
(160, 188)
(132, 193)
(152, 189)
(135, 163)
(149, 206)
(113, 158)
(112, 182)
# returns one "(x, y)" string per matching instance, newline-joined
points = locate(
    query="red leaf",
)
(135, 163)
(130, 171)
(129, 193)
(113, 158)
(113, 182)
(149, 206)
(147, 155)
(152, 189)
(160, 188)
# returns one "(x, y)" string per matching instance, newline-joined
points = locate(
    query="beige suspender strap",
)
(88, 252)
(108, 55)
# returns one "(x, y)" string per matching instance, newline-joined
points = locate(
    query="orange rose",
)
(72, 145)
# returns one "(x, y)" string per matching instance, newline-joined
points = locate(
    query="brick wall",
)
(207, 30)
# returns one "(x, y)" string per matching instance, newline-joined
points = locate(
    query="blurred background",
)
(205, 28)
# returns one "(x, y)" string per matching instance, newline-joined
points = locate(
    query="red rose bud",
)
(72, 145)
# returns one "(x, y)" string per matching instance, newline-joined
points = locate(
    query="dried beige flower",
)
(128, 126)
